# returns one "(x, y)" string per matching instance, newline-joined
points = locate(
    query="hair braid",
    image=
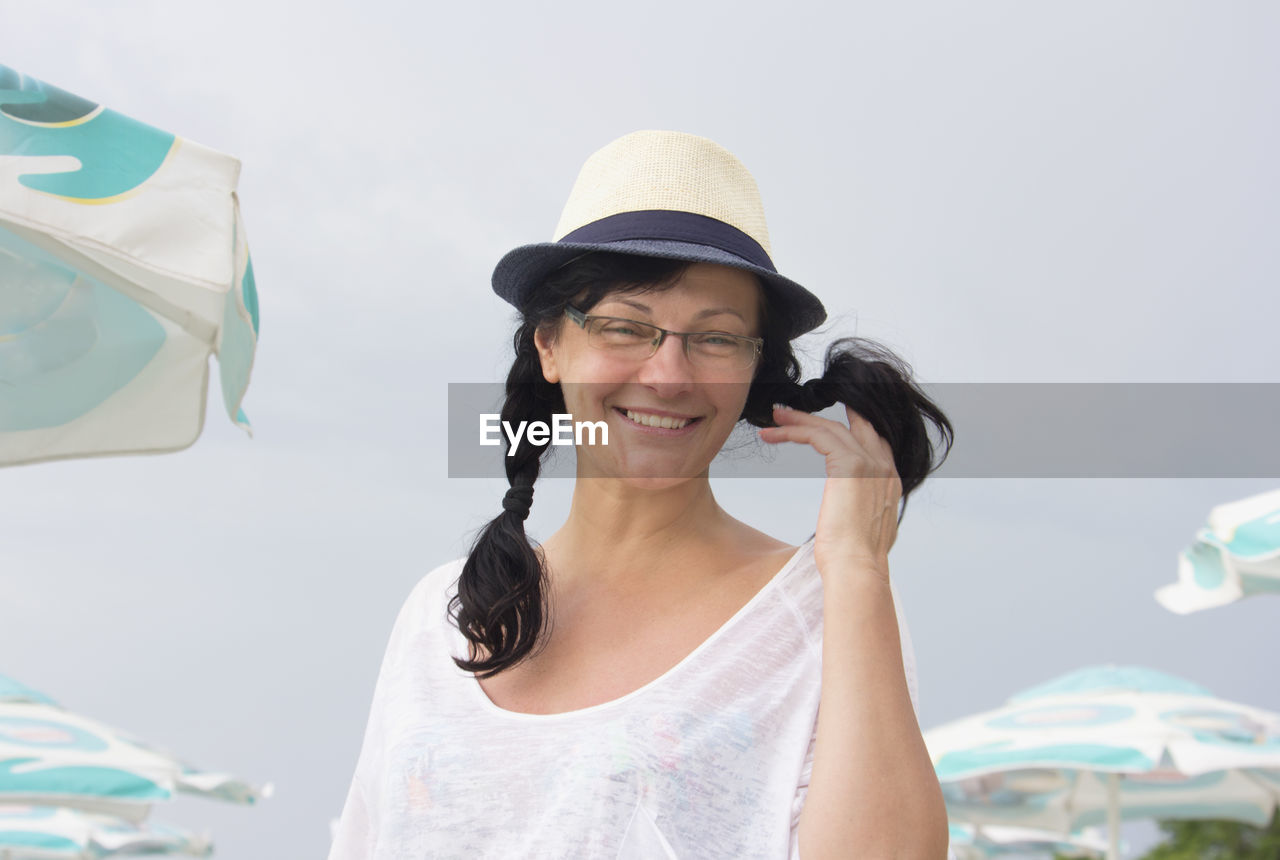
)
(500, 603)
(877, 385)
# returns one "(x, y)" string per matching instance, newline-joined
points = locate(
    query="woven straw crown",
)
(665, 170)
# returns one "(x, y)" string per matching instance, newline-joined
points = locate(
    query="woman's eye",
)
(713, 339)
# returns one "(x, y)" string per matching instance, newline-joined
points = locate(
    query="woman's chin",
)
(650, 474)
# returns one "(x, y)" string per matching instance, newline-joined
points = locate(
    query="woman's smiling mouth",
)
(661, 423)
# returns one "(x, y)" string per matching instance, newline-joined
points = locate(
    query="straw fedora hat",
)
(663, 194)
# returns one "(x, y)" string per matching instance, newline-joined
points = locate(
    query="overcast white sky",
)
(1002, 191)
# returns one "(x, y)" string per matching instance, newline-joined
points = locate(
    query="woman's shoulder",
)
(438, 583)
(800, 582)
(439, 578)
(428, 598)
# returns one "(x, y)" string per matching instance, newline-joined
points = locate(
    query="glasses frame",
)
(584, 319)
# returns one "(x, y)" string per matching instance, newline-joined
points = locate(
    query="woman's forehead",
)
(701, 288)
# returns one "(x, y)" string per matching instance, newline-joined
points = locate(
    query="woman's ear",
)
(546, 355)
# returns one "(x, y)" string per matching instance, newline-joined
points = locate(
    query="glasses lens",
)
(623, 335)
(712, 349)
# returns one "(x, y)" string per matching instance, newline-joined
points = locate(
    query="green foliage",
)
(1215, 840)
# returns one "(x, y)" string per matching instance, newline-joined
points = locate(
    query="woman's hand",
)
(858, 521)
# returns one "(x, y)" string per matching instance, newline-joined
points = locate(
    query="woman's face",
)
(631, 394)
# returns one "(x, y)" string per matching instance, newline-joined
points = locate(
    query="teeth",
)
(657, 420)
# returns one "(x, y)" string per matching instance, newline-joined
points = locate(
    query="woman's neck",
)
(618, 531)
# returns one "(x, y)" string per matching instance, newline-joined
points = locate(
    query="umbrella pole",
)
(1113, 815)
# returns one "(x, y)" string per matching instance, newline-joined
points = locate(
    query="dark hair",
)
(500, 604)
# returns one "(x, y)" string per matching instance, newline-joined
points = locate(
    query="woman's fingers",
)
(823, 439)
(857, 522)
(859, 426)
(854, 451)
(865, 433)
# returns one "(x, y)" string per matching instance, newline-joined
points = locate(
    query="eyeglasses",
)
(711, 350)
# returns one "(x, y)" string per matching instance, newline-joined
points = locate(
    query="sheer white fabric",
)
(710, 760)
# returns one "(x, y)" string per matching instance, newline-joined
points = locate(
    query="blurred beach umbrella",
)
(52, 757)
(970, 842)
(58, 833)
(1237, 554)
(1109, 743)
(123, 267)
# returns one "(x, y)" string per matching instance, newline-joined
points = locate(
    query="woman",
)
(646, 683)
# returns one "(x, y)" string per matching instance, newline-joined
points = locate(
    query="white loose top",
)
(709, 760)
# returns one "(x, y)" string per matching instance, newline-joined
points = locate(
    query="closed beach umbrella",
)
(52, 757)
(1236, 555)
(1103, 744)
(123, 267)
(59, 833)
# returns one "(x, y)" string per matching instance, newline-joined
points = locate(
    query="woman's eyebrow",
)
(709, 312)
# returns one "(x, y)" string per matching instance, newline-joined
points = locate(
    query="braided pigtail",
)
(869, 379)
(877, 385)
(500, 605)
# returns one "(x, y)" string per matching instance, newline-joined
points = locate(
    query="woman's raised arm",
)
(873, 792)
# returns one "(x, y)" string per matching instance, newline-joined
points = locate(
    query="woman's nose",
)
(668, 370)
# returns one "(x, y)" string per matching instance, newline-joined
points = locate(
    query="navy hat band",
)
(673, 225)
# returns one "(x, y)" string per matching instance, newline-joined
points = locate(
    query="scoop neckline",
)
(456, 640)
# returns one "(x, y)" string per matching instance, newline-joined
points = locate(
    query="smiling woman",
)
(646, 682)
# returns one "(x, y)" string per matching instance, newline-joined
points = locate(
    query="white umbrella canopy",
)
(52, 757)
(58, 833)
(1236, 555)
(123, 267)
(1109, 743)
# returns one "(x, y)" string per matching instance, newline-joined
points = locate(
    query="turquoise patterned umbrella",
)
(123, 267)
(1236, 555)
(58, 833)
(978, 843)
(52, 757)
(1110, 743)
